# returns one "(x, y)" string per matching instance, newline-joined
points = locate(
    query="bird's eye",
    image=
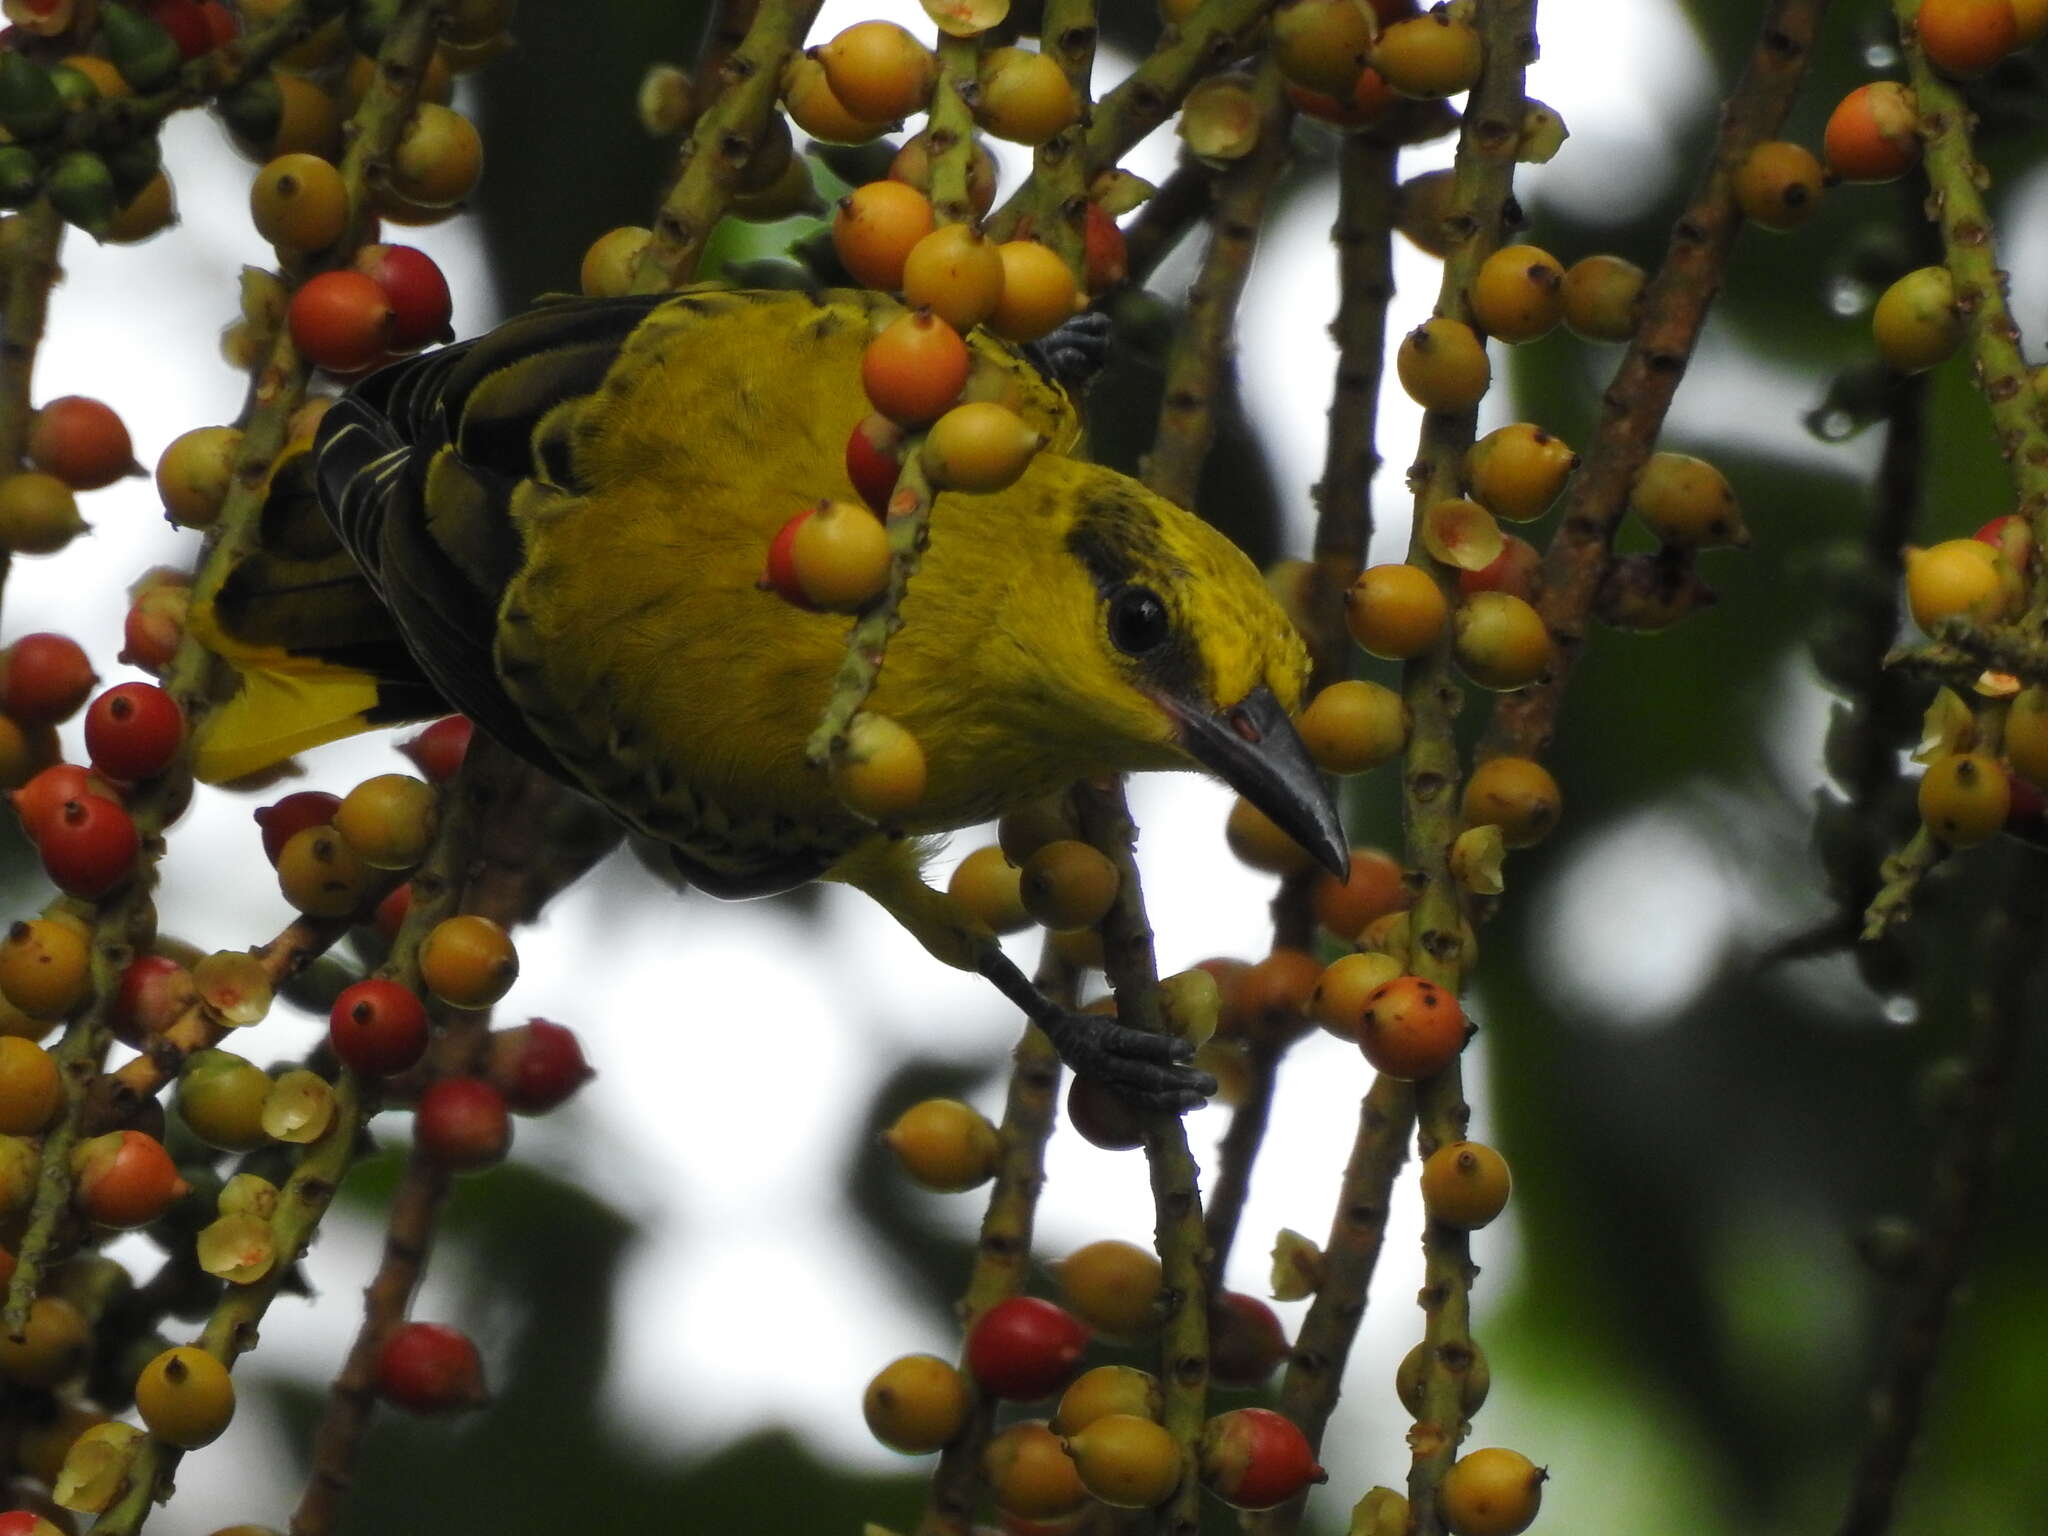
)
(1137, 620)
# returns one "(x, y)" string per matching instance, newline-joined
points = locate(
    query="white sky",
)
(742, 1011)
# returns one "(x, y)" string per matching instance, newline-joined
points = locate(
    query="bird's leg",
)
(1074, 353)
(1149, 1069)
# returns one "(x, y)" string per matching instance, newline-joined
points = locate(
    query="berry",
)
(45, 968)
(31, 1092)
(608, 264)
(1516, 794)
(536, 1066)
(1103, 1118)
(1601, 295)
(1518, 568)
(917, 1404)
(1396, 611)
(2026, 736)
(912, 165)
(876, 228)
(1443, 366)
(839, 557)
(1465, 1184)
(1105, 1390)
(945, 1145)
(1038, 295)
(1964, 38)
(220, 1099)
(1254, 1458)
(1518, 293)
(990, 887)
(299, 203)
(1500, 641)
(915, 368)
(882, 772)
(421, 305)
(438, 159)
(133, 732)
(1113, 1287)
(193, 476)
(1491, 1492)
(1322, 45)
(1965, 797)
(125, 1179)
(1023, 1348)
(1269, 1001)
(1516, 471)
(878, 70)
(1342, 990)
(389, 820)
(1461, 533)
(26, 1522)
(80, 441)
(438, 750)
(1411, 1379)
(1411, 1028)
(1068, 884)
(378, 1027)
(1257, 841)
(807, 97)
(389, 915)
(1429, 56)
(468, 961)
(1959, 578)
(1687, 503)
(980, 446)
(463, 1123)
(1030, 1474)
(52, 1347)
(281, 821)
(299, 1107)
(1105, 254)
(1126, 1461)
(1916, 322)
(1025, 97)
(1371, 888)
(1364, 104)
(89, 847)
(320, 875)
(154, 627)
(1778, 186)
(1873, 134)
(1246, 1340)
(44, 678)
(154, 991)
(185, 1396)
(341, 321)
(430, 1368)
(874, 459)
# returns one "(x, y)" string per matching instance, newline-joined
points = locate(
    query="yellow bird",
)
(558, 529)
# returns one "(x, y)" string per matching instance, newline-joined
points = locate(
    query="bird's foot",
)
(1074, 353)
(1149, 1070)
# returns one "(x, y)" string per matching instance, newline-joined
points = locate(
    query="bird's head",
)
(1156, 641)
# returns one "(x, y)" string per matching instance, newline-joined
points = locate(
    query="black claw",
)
(1140, 1066)
(1074, 353)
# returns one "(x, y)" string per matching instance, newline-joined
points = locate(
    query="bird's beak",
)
(1252, 746)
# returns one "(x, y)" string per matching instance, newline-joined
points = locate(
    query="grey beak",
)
(1252, 746)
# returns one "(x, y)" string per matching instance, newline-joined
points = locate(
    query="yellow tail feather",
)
(275, 714)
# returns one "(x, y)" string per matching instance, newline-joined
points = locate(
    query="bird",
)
(558, 529)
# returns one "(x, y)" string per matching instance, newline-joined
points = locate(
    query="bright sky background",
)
(699, 1015)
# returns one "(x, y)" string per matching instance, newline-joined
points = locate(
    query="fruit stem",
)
(1060, 169)
(1674, 308)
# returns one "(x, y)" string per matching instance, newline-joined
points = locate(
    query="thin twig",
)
(1636, 401)
(1059, 169)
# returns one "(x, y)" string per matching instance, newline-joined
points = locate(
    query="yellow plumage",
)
(569, 525)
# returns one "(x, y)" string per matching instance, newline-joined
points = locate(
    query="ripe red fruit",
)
(1103, 1118)
(378, 1027)
(43, 679)
(420, 302)
(462, 1122)
(280, 821)
(133, 731)
(88, 847)
(536, 1066)
(1246, 1340)
(341, 321)
(438, 750)
(1025, 1348)
(1254, 1458)
(430, 1368)
(125, 1179)
(44, 795)
(1106, 259)
(874, 457)
(153, 628)
(81, 441)
(187, 24)
(390, 914)
(220, 22)
(154, 990)
(778, 572)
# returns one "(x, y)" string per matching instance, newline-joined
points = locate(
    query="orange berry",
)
(882, 772)
(1371, 889)
(956, 272)
(1873, 134)
(878, 70)
(468, 961)
(1411, 1028)
(341, 321)
(1030, 1474)
(1069, 884)
(839, 556)
(913, 164)
(1354, 725)
(1491, 1492)
(1269, 1003)
(1396, 611)
(1518, 294)
(1516, 794)
(1038, 293)
(1964, 38)
(1965, 797)
(1322, 45)
(31, 1092)
(1025, 97)
(80, 441)
(915, 368)
(1259, 843)
(807, 97)
(875, 229)
(1465, 1184)
(989, 886)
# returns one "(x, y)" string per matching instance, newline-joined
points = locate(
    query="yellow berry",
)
(1069, 884)
(1601, 295)
(1354, 725)
(1396, 611)
(185, 1396)
(1343, 988)
(45, 967)
(1516, 471)
(1959, 578)
(1411, 1379)
(945, 1145)
(52, 1346)
(990, 887)
(978, 447)
(1113, 1287)
(38, 514)
(1126, 1461)
(1518, 294)
(1965, 797)
(1687, 503)
(321, 875)
(1443, 366)
(1429, 56)
(879, 71)
(807, 97)
(917, 1404)
(468, 961)
(195, 472)
(882, 772)
(1465, 1184)
(389, 820)
(1916, 323)
(438, 159)
(1039, 294)
(299, 203)
(1025, 97)
(1491, 1492)
(2026, 736)
(1516, 794)
(956, 272)
(1778, 185)
(840, 557)
(1324, 45)
(608, 266)
(31, 1092)
(876, 227)
(1030, 1474)
(1259, 843)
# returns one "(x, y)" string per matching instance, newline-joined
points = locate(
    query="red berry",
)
(154, 990)
(874, 458)
(89, 846)
(378, 1027)
(420, 302)
(462, 1122)
(537, 1065)
(1106, 259)
(43, 796)
(1103, 1117)
(1246, 1340)
(187, 24)
(45, 678)
(81, 441)
(1025, 1348)
(430, 1368)
(390, 914)
(439, 749)
(133, 731)
(304, 808)
(125, 1179)
(153, 628)
(341, 321)
(1254, 1458)
(778, 575)
(220, 22)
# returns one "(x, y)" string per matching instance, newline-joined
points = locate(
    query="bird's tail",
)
(316, 654)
